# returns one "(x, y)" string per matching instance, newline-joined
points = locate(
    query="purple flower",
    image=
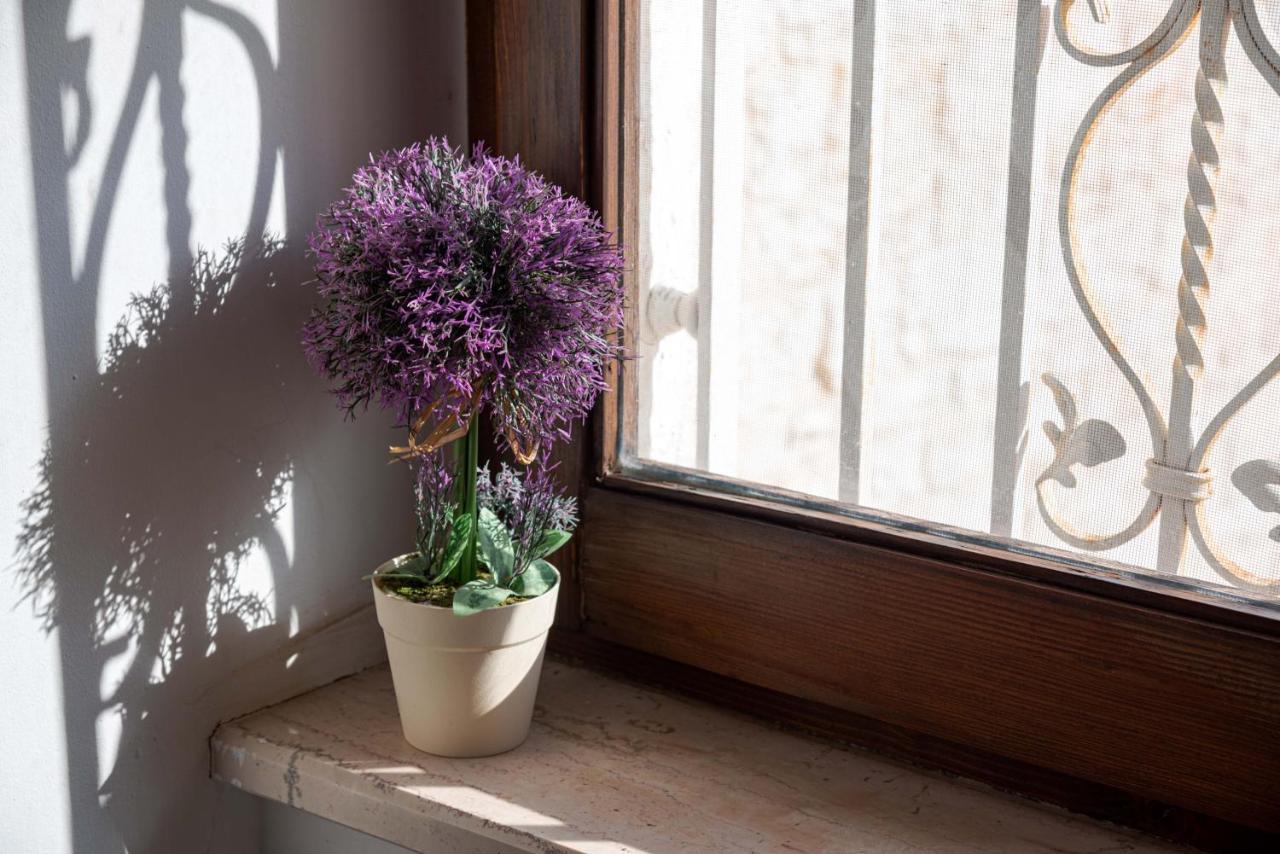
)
(467, 284)
(436, 506)
(528, 505)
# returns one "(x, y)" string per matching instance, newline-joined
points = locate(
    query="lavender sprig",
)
(530, 508)
(436, 511)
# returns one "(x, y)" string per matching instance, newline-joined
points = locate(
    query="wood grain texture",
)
(1165, 707)
(528, 84)
(616, 169)
(944, 543)
(529, 79)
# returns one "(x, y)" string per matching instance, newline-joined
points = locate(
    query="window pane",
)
(971, 263)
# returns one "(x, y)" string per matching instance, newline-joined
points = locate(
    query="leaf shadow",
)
(1086, 443)
(1259, 481)
(134, 540)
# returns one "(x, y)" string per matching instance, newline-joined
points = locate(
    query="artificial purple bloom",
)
(436, 508)
(529, 505)
(468, 284)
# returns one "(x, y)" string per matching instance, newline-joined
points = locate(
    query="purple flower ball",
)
(473, 284)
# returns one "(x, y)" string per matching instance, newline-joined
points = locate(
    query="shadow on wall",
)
(201, 442)
(160, 478)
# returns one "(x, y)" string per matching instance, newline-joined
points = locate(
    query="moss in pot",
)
(456, 289)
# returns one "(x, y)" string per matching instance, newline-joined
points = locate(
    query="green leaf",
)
(458, 538)
(476, 596)
(536, 580)
(395, 574)
(495, 546)
(412, 567)
(549, 542)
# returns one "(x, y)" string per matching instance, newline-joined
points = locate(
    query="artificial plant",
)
(455, 288)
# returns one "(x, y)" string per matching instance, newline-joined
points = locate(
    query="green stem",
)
(470, 461)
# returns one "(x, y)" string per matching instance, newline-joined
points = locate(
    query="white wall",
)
(183, 512)
(287, 830)
(290, 831)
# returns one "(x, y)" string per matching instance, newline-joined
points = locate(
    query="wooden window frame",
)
(1115, 695)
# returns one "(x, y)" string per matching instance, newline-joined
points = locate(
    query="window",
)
(1004, 270)
(814, 490)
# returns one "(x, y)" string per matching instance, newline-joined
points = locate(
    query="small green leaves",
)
(458, 538)
(549, 542)
(411, 567)
(495, 546)
(536, 580)
(395, 575)
(476, 596)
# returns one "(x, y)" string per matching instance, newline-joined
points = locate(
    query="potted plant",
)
(459, 289)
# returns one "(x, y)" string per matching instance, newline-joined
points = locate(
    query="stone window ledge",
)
(614, 767)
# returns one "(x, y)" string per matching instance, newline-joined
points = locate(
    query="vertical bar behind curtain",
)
(720, 250)
(1008, 435)
(858, 246)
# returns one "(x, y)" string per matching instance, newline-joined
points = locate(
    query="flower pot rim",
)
(377, 586)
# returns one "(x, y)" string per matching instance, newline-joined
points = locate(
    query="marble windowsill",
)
(614, 767)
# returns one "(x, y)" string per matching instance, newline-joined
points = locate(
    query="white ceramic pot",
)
(465, 685)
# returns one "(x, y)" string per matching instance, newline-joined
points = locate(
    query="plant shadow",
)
(163, 554)
(1259, 481)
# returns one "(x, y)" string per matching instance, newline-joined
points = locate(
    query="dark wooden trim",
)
(615, 119)
(961, 547)
(482, 71)
(1167, 707)
(531, 82)
(903, 745)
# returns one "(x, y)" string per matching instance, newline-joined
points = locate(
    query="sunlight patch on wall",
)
(107, 729)
(170, 649)
(33, 729)
(119, 643)
(171, 158)
(278, 211)
(228, 118)
(121, 245)
(250, 595)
